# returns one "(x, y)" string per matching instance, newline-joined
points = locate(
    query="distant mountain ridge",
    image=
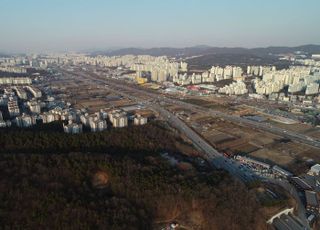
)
(205, 50)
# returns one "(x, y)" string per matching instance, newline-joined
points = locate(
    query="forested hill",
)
(151, 138)
(209, 50)
(113, 180)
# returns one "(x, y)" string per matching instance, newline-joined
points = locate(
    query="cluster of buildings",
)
(21, 64)
(102, 61)
(260, 70)
(98, 121)
(15, 81)
(295, 84)
(24, 105)
(235, 88)
(140, 120)
(147, 68)
(215, 74)
(309, 62)
(229, 72)
(263, 169)
(10, 100)
(11, 96)
(296, 78)
(56, 114)
(309, 185)
(118, 118)
(159, 69)
(28, 112)
(72, 127)
(13, 69)
(134, 62)
(155, 69)
(76, 119)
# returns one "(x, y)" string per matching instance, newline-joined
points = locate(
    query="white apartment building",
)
(21, 93)
(118, 118)
(312, 88)
(25, 121)
(34, 106)
(139, 120)
(35, 92)
(72, 128)
(15, 81)
(235, 88)
(13, 107)
(97, 125)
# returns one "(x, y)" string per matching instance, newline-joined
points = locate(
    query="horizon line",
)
(116, 48)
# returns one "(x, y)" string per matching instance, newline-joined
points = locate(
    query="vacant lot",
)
(274, 156)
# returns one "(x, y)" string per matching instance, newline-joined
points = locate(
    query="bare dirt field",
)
(274, 156)
(313, 132)
(299, 127)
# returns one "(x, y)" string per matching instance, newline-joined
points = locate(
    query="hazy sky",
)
(70, 25)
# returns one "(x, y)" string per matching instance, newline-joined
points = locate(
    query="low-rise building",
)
(312, 202)
(280, 171)
(314, 170)
(300, 183)
(254, 162)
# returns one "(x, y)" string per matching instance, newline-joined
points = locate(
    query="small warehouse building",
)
(312, 202)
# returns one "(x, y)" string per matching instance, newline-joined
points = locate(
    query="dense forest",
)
(113, 180)
(49, 138)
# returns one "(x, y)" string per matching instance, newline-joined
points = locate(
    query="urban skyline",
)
(162, 115)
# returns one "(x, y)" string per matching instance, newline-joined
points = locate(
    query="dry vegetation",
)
(122, 183)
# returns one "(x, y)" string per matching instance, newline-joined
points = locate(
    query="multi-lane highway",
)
(212, 155)
(232, 118)
(215, 158)
(135, 92)
(301, 211)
